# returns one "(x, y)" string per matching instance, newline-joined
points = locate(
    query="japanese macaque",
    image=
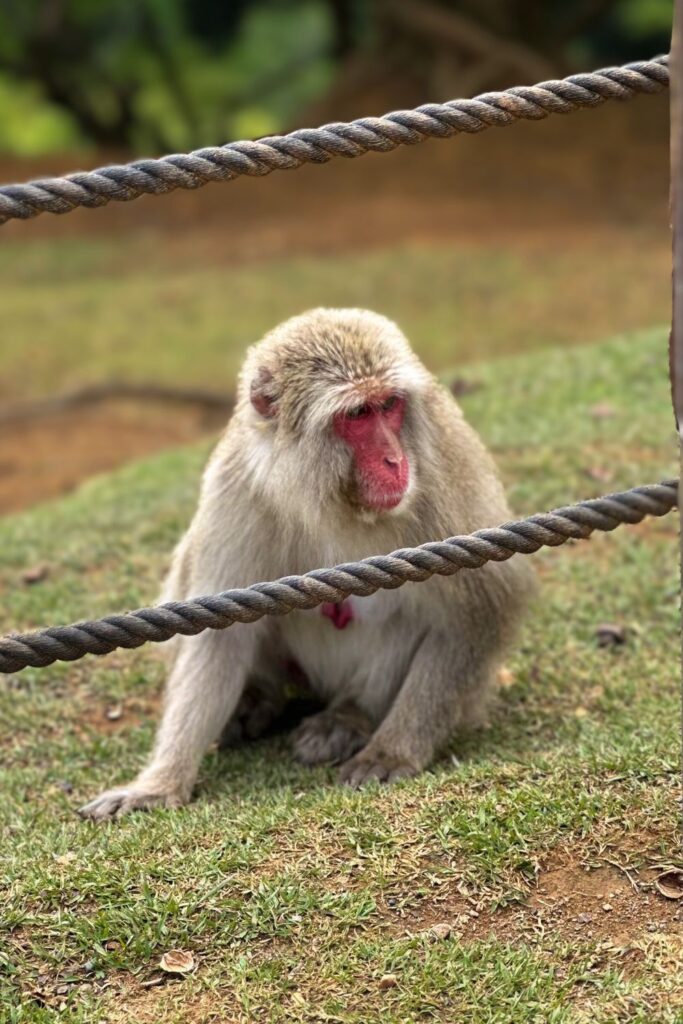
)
(342, 445)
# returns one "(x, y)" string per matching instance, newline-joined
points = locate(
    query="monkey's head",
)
(332, 398)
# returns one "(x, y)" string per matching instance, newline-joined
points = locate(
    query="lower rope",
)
(380, 572)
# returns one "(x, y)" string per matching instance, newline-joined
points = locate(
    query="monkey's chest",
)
(354, 648)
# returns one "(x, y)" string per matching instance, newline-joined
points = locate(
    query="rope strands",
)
(443, 558)
(124, 182)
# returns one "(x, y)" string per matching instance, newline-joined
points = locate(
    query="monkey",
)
(341, 445)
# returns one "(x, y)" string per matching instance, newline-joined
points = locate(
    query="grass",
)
(95, 299)
(301, 901)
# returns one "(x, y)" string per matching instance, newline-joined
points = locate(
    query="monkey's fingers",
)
(367, 767)
(328, 738)
(114, 803)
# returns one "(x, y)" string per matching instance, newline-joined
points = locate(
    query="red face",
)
(372, 432)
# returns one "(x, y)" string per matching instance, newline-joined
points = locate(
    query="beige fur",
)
(415, 662)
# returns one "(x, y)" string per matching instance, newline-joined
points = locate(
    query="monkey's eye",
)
(389, 403)
(358, 412)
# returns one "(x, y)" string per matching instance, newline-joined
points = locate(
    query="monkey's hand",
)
(374, 764)
(138, 796)
(331, 736)
(260, 706)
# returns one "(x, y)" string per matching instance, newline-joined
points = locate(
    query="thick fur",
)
(415, 662)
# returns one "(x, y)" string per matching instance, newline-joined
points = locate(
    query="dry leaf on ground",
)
(177, 961)
(670, 883)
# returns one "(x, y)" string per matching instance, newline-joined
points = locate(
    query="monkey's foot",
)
(114, 803)
(257, 710)
(374, 766)
(331, 736)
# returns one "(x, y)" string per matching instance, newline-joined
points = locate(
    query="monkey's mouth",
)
(384, 502)
(385, 499)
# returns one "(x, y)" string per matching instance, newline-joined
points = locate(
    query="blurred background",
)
(123, 328)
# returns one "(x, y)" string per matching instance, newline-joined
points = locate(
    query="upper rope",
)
(123, 182)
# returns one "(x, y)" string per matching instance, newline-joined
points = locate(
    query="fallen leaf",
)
(176, 961)
(670, 883)
(610, 634)
(39, 997)
(439, 932)
(602, 411)
(600, 473)
(461, 386)
(36, 574)
(113, 713)
(64, 858)
(506, 678)
(388, 981)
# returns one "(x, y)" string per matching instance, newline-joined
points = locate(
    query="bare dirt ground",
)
(556, 183)
(53, 454)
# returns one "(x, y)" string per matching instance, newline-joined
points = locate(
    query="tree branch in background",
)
(157, 37)
(342, 13)
(443, 27)
(114, 390)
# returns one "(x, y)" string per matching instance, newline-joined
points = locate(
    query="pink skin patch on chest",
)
(340, 614)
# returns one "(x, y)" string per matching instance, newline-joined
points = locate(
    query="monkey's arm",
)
(205, 684)
(446, 684)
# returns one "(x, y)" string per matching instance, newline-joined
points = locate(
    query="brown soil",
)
(53, 454)
(602, 171)
(570, 899)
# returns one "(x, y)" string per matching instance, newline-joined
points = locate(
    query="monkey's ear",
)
(262, 394)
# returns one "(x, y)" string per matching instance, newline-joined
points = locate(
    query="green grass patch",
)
(296, 897)
(76, 311)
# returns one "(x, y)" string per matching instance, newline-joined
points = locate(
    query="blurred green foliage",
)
(156, 75)
(28, 125)
(645, 16)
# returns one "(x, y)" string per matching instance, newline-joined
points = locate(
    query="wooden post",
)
(676, 201)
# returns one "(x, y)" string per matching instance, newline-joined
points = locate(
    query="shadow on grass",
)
(254, 769)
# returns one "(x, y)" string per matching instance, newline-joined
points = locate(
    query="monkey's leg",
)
(331, 736)
(447, 677)
(261, 704)
(204, 687)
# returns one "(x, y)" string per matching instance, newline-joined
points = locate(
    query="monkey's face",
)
(353, 448)
(333, 398)
(380, 471)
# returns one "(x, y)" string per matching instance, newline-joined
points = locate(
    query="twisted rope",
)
(380, 572)
(123, 182)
